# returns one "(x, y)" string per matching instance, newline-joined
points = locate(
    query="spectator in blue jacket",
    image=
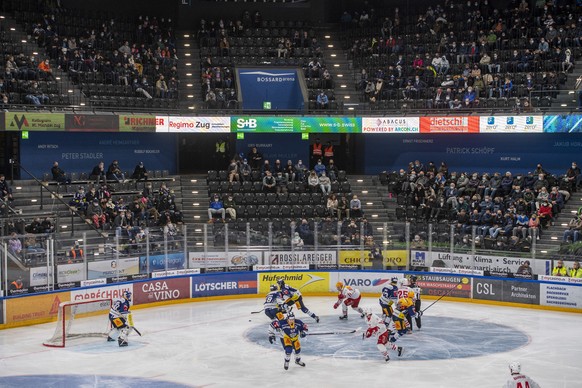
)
(216, 207)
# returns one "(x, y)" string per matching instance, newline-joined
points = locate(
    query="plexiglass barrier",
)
(43, 262)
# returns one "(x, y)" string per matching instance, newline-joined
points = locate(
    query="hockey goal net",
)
(80, 319)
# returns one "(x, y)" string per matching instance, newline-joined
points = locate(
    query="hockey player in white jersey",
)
(348, 296)
(519, 380)
(121, 319)
(386, 338)
(274, 304)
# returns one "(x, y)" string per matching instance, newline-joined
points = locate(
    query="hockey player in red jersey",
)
(348, 296)
(377, 327)
(519, 380)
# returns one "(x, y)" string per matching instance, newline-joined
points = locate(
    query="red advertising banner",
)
(449, 124)
(161, 290)
(85, 122)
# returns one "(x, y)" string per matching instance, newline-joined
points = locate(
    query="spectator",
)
(572, 234)
(230, 207)
(58, 174)
(96, 214)
(233, 172)
(289, 171)
(269, 183)
(245, 171)
(282, 181)
(332, 205)
(45, 70)
(322, 100)
(575, 271)
(99, 174)
(5, 190)
(559, 269)
(573, 177)
(319, 167)
(417, 243)
(525, 269)
(325, 184)
(140, 172)
(114, 172)
(300, 170)
(16, 284)
(36, 96)
(356, 207)
(161, 87)
(14, 244)
(139, 87)
(297, 241)
(313, 182)
(255, 158)
(343, 208)
(216, 207)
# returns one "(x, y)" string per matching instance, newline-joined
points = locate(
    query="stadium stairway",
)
(190, 90)
(340, 68)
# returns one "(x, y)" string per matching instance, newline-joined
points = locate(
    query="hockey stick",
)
(335, 332)
(442, 296)
(256, 312)
(136, 330)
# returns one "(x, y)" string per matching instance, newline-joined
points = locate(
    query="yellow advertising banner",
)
(34, 308)
(392, 258)
(306, 282)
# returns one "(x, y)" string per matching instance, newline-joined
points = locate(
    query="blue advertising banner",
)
(563, 124)
(276, 146)
(224, 284)
(473, 152)
(80, 152)
(162, 262)
(279, 87)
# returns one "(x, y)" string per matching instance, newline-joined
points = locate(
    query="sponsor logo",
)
(263, 76)
(19, 122)
(364, 282)
(245, 260)
(510, 120)
(93, 282)
(246, 123)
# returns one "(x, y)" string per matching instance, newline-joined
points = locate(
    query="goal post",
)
(71, 322)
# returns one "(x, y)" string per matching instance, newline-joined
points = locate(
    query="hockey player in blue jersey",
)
(293, 296)
(290, 329)
(389, 297)
(120, 318)
(274, 307)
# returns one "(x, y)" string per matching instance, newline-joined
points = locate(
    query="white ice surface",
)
(203, 344)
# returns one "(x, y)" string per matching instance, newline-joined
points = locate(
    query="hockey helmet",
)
(404, 282)
(290, 316)
(413, 278)
(273, 287)
(367, 311)
(394, 280)
(515, 367)
(339, 286)
(281, 282)
(127, 295)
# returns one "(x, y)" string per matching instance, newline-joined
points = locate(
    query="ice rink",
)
(221, 344)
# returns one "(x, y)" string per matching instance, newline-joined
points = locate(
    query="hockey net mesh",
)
(80, 319)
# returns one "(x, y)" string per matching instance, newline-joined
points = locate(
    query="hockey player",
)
(348, 296)
(403, 314)
(376, 326)
(519, 380)
(273, 304)
(406, 292)
(121, 319)
(389, 297)
(417, 292)
(291, 329)
(292, 296)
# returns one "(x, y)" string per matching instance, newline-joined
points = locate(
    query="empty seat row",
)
(278, 199)
(257, 187)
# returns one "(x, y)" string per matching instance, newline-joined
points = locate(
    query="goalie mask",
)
(515, 368)
(273, 287)
(127, 295)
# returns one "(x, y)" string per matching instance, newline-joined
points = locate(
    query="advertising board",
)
(141, 123)
(67, 273)
(110, 268)
(305, 282)
(34, 307)
(511, 124)
(390, 125)
(98, 122)
(392, 258)
(506, 291)
(161, 290)
(449, 124)
(107, 292)
(34, 121)
(477, 262)
(192, 124)
(224, 284)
